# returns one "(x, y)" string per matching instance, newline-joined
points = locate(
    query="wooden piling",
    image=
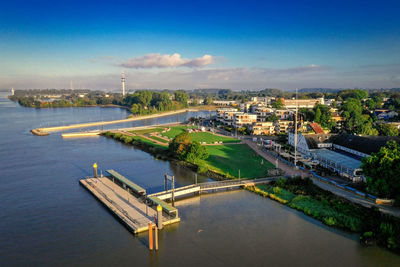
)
(156, 238)
(150, 236)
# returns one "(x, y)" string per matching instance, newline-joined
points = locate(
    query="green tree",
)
(182, 97)
(318, 115)
(352, 115)
(353, 93)
(179, 146)
(382, 171)
(388, 130)
(196, 152)
(273, 118)
(278, 104)
(208, 100)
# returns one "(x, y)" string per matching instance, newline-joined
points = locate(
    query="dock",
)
(131, 204)
(134, 210)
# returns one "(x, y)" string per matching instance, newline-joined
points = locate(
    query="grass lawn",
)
(144, 140)
(158, 139)
(210, 138)
(207, 137)
(146, 131)
(175, 131)
(230, 158)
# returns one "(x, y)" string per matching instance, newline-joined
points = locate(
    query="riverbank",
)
(303, 195)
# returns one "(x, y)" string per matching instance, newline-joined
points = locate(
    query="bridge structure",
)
(131, 204)
(209, 187)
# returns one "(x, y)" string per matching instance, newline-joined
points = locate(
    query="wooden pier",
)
(135, 209)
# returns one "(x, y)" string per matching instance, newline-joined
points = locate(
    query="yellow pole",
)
(95, 170)
(150, 236)
(156, 238)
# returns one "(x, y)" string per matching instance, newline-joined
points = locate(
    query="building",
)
(243, 119)
(302, 103)
(387, 115)
(263, 128)
(225, 102)
(262, 112)
(221, 114)
(340, 153)
(283, 126)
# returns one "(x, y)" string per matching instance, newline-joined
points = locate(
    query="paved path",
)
(289, 170)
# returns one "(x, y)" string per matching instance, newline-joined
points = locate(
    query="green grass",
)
(210, 138)
(228, 159)
(207, 137)
(176, 130)
(147, 141)
(146, 131)
(158, 139)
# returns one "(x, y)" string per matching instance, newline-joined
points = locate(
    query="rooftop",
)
(338, 158)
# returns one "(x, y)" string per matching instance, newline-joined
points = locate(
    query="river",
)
(48, 219)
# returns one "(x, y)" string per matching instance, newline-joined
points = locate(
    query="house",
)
(260, 128)
(243, 119)
(283, 126)
(302, 103)
(387, 115)
(225, 102)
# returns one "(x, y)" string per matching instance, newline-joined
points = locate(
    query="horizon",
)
(219, 44)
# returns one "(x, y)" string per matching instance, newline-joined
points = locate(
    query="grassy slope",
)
(145, 131)
(174, 131)
(147, 141)
(210, 138)
(229, 159)
(158, 139)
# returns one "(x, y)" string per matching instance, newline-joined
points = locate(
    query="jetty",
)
(128, 202)
(136, 209)
(47, 130)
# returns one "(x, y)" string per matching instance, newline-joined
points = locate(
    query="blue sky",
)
(200, 44)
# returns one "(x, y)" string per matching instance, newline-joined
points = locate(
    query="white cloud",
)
(166, 61)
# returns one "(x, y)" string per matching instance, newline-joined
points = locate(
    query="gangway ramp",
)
(210, 186)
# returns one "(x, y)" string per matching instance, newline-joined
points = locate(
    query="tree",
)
(180, 145)
(208, 100)
(196, 152)
(318, 115)
(278, 104)
(144, 97)
(353, 93)
(382, 171)
(388, 130)
(352, 114)
(273, 118)
(182, 97)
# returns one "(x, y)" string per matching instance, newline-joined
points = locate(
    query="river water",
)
(48, 219)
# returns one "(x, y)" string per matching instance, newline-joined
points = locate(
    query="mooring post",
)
(95, 170)
(165, 182)
(173, 190)
(195, 175)
(150, 236)
(156, 238)
(159, 217)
